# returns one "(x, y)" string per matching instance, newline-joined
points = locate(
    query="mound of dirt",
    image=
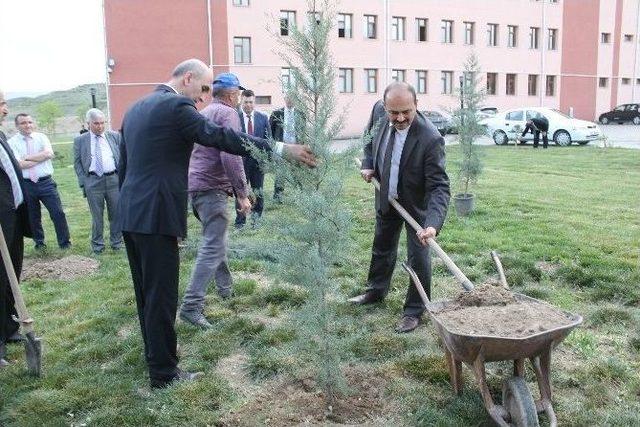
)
(494, 311)
(67, 268)
(301, 402)
(485, 295)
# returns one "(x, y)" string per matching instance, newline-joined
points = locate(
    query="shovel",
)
(32, 344)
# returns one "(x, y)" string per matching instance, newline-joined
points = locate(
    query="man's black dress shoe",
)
(407, 324)
(366, 298)
(179, 376)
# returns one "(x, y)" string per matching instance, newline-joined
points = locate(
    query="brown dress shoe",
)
(407, 324)
(366, 298)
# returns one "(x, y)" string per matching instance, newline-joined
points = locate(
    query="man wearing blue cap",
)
(213, 177)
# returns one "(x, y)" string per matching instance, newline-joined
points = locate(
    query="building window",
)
(626, 81)
(399, 75)
(397, 28)
(421, 29)
(512, 35)
(371, 75)
(469, 33)
(263, 100)
(447, 82)
(345, 27)
(242, 50)
(628, 37)
(287, 21)
(552, 42)
(492, 83)
(603, 82)
(241, 2)
(345, 80)
(605, 38)
(511, 84)
(371, 26)
(421, 81)
(638, 81)
(492, 34)
(534, 36)
(314, 17)
(446, 32)
(286, 79)
(533, 84)
(551, 86)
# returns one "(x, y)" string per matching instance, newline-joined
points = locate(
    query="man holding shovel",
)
(14, 219)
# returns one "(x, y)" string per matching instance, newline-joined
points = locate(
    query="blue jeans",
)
(46, 191)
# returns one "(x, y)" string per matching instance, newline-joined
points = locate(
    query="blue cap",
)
(227, 80)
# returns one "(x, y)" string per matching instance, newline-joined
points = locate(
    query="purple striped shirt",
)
(212, 169)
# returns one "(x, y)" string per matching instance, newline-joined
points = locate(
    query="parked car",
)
(622, 113)
(443, 121)
(486, 112)
(563, 130)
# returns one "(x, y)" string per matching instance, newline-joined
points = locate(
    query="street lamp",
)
(93, 96)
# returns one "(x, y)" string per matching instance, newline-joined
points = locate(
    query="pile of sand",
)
(494, 311)
(67, 268)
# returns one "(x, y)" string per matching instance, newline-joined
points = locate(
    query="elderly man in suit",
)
(96, 155)
(14, 218)
(254, 123)
(158, 135)
(406, 154)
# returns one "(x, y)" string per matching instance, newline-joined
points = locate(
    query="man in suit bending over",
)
(96, 155)
(254, 123)
(158, 134)
(406, 155)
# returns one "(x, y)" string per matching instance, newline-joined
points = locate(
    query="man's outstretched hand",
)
(300, 153)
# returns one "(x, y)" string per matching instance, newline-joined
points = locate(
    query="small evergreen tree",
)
(466, 116)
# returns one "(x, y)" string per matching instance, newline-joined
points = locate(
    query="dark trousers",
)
(15, 242)
(46, 191)
(383, 260)
(154, 264)
(255, 176)
(536, 139)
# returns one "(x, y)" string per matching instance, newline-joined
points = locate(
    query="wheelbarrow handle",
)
(416, 282)
(23, 315)
(453, 268)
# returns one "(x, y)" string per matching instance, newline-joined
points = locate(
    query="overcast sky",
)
(50, 45)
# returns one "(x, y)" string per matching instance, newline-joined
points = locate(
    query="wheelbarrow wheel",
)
(519, 403)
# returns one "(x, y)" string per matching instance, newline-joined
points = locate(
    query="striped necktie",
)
(99, 168)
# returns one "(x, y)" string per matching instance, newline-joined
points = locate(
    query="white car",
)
(508, 125)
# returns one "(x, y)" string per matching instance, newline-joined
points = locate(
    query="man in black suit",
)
(158, 133)
(537, 125)
(14, 218)
(283, 123)
(406, 154)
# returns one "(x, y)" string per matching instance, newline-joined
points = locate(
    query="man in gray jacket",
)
(96, 155)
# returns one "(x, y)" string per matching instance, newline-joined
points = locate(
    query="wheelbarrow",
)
(518, 405)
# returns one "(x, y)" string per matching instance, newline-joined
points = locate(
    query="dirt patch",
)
(547, 267)
(233, 369)
(67, 268)
(496, 312)
(296, 402)
(484, 295)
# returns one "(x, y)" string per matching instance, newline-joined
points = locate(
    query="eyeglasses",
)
(206, 88)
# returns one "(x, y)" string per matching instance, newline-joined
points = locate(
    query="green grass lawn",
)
(575, 209)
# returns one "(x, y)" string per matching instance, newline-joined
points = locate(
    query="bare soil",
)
(296, 402)
(494, 311)
(66, 269)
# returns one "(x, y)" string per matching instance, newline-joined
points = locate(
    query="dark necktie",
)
(249, 125)
(386, 172)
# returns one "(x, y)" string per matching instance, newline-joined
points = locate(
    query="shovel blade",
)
(33, 351)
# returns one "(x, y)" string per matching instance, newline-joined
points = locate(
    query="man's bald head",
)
(195, 66)
(396, 88)
(400, 102)
(191, 78)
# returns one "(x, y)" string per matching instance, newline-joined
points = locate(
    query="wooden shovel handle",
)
(453, 268)
(498, 263)
(23, 315)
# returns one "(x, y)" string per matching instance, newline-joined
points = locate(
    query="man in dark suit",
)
(254, 123)
(96, 155)
(283, 123)
(406, 155)
(537, 125)
(14, 218)
(158, 133)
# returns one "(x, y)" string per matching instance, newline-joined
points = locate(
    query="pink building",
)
(574, 55)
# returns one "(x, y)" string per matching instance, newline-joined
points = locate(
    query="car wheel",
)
(500, 138)
(636, 120)
(562, 138)
(604, 120)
